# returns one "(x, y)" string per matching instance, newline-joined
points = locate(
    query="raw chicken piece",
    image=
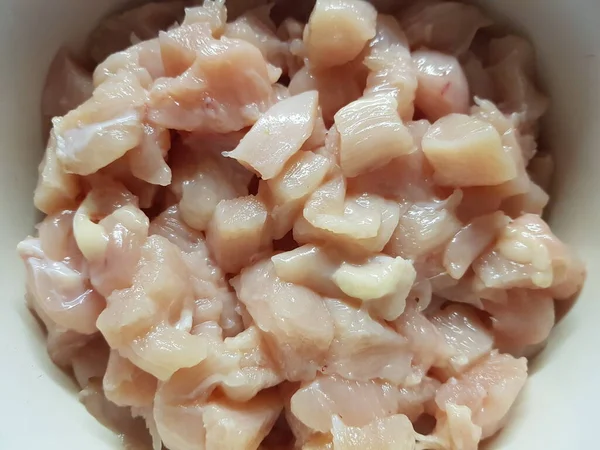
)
(277, 135)
(103, 128)
(353, 219)
(424, 228)
(256, 27)
(291, 30)
(357, 402)
(56, 277)
(56, 190)
(358, 226)
(512, 71)
(309, 266)
(443, 88)
(454, 430)
(465, 151)
(324, 271)
(68, 84)
(218, 424)
(392, 71)
(90, 362)
(465, 335)
(239, 366)
(488, 389)
(418, 399)
(294, 321)
(528, 255)
(212, 12)
(524, 319)
(126, 385)
(531, 202)
(288, 191)
(119, 31)
(337, 86)
(400, 267)
(238, 233)
(149, 322)
(109, 230)
(214, 95)
(178, 46)
(371, 134)
(148, 195)
(364, 349)
(302, 175)
(142, 60)
(392, 433)
(214, 299)
(201, 179)
(147, 161)
(241, 426)
(471, 241)
(425, 341)
(338, 30)
(62, 344)
(407, 178)
(116, 418)
(448, 27)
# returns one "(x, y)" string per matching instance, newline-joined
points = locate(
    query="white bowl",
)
(558, 408)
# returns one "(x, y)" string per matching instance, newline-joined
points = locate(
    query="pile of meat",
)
(266, 233)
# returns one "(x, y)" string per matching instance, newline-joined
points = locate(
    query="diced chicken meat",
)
(214, 94)
(103, 128)
(287, 315)
(442, 85)
(371, 134)
(337, 86)
(392, 433)
(359, 403)
(465, 151)
(56, 189)
(277, 135)
(364, 349)
(391, 68)
(528, 255)
(338, 30)
(488, 390)
(238, 232)
(315, 226)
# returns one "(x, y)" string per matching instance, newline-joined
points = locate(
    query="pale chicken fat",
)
(268, 234)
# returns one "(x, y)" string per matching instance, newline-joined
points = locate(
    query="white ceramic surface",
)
(558, 408)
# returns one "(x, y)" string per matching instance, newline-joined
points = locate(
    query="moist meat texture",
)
(315, 232)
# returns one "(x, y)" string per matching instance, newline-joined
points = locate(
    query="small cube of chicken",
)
(237, 232)
(371, 133)
(465, 151)
(338, 30)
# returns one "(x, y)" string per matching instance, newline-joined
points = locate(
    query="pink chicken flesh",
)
(273, 228)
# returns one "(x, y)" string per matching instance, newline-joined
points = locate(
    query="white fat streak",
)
(375, 279)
